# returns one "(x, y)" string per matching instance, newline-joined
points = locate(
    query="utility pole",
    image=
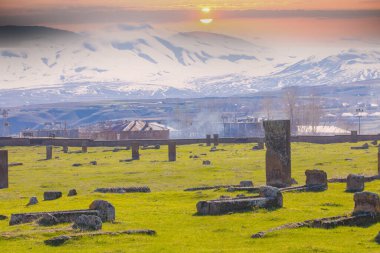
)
(359, 111)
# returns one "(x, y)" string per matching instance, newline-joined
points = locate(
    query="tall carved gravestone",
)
(49, 152)
(278, 155)
(3, 169)
(216, 139)
(208, 139)
(172, 146)
(135, 151)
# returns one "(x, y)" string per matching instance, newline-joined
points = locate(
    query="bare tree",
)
(290, 106)
(267, 107)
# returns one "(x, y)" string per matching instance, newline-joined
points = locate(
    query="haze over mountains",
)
(43, 65)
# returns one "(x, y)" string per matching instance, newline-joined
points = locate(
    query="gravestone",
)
(135, 151)
(84, 148)
(3, 169)
(366, 202)
(216, 139)
(208, 139)
(65, 148)
(316, 180)
(52, 195)
(355, 183)
(172, 149)
(49, 152)
(278, 154)
(354, 136)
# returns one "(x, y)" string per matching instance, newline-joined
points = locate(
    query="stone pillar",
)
(3, 169)
(49, 152)
(355, 183)
(84, 148)
(260, 145)
(172, 146)
(135, 151)
(65, 148)
(208, 139)
(278, 154)
(216, 139)
(354, 136)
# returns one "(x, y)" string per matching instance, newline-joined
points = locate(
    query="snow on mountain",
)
(143, 62)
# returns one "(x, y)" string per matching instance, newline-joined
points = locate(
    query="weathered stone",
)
(172, 149)
(94, 163)
(213, 149)
(216, 139)
(246, 183)
(76, 165)
(32, 201)
(366, 202)
(354, 136)
(135, 151)
(316, 180)
(62, 216)
(57, 241)
(4, 169)
(3, 217)
(355, 183)
(106, 210)
(88, 223)
(72, 192)
(206, 162)
(52, 195)
(377, 238)
(47, 220)
(123, 189)
(364, 146)
(374, 143)
(84, 148)
(278, 154)
(65, 149)
(208, 139)
(273, 194)
(49, 152)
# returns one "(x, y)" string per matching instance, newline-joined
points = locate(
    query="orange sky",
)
(192, 4)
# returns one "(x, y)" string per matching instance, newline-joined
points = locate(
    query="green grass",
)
(170, 211)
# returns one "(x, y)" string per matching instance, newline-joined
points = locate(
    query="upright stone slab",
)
(366, 202)
(208, 139)
(84, 148)
(216, 139)
(172, 149)
(354, 136)
(3, 169)
(278, 157)
(135, 151)
(316, 180)
(49, 152)
(355, 183)
(65, 148)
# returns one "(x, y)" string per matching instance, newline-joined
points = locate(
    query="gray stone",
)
(49, 152)
(52, 195)
(216, 139)
(72, 192)
(206, 162)
(94, 163)
(106, 210)
(3, 217)
(208, 139)
(77, 165)
(57, 241)
(366, 202)
(316, 180)
(88, 223)
(48, 220)
(355, 183)
(246, 183)
(32, 201)
(278, 154)
(172, 149)
(273, 194)
(4, 169)
(135, 151)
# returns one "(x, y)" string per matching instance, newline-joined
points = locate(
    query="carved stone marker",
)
(65, 148)
(49, 152)
(355, 183)
(354, 136)
(208, 139)
(172, 149)
(135, 151)
(316, 180)
(278, 157)
(367, 202)
(3, 169)
(106, 210)
(216, 139)
(84, 148)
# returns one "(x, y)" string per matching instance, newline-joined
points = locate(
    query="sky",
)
(247, 18)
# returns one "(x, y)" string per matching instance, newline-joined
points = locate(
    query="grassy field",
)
(171, 211)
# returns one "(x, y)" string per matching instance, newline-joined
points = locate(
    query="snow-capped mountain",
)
(143, 62)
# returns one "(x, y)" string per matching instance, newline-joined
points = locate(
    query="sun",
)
(206, 9)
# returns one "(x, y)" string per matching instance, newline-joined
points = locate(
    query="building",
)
(125, 130)
(50, 133)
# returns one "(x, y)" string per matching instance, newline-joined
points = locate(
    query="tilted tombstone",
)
(135, 151)
(216, 139)
(355, 183)
(208, 139)
(172, 149)
(4, 169)
(278, 154)
(49, 152)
